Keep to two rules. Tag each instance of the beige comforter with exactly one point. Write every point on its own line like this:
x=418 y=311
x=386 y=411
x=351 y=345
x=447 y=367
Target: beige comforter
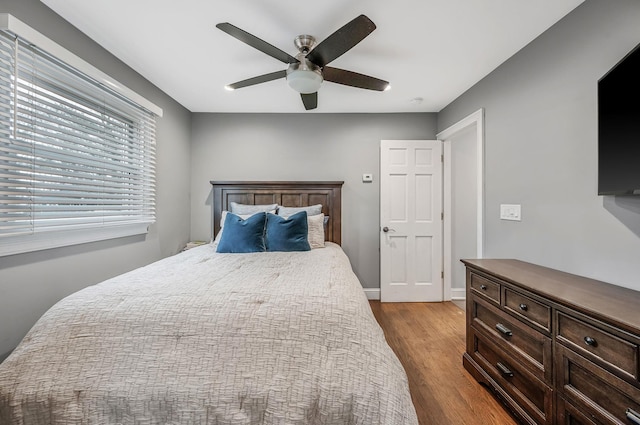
x=207 y=338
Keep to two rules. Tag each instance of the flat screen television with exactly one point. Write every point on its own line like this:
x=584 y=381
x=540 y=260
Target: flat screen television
x=619 y=128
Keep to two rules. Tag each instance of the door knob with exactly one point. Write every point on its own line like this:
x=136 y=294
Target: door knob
x=385 y=229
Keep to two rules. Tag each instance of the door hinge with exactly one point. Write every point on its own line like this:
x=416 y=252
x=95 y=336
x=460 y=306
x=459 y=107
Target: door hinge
x=442 y=215
x=442 y=274
x=442 y=158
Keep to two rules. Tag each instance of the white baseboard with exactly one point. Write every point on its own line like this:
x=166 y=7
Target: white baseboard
x=458 y=293
x=372 y=293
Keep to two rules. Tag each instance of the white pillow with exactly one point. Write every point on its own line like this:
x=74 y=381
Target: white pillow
x=316 y=230
x=311 y=210
x=240 y=209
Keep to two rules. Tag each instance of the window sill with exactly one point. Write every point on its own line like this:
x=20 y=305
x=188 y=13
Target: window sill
x=36 y=242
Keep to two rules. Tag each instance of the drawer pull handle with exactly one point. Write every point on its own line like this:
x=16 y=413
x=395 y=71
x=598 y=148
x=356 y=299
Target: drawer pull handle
x=506 y=371
x=483 y=287
x=524 y=307
x=504 y=330
x=633 y=416
x=590 y=341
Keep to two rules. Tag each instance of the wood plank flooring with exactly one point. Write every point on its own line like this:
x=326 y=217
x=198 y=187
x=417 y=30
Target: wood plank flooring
x=429 y=339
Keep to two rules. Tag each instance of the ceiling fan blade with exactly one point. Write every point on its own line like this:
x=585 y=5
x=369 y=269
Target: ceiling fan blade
x=256 y=43
x=350 y=78
x=257 y=80
x=310 y=100
x=341 y=41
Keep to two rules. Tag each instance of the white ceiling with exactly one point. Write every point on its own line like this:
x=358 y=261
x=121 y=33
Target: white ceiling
x=429 y=49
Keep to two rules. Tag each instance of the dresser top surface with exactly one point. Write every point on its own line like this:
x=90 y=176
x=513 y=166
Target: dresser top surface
x=616 y=303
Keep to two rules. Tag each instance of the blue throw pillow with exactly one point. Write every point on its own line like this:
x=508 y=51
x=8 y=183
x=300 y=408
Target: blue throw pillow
x=287 y=234
x=242 y=236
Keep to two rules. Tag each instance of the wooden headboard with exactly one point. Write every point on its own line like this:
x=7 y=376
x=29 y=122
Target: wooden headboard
x=288 y=194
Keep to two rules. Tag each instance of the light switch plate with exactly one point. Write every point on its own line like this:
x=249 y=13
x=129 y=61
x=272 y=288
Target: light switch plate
x=510 y=212
x=367 y=178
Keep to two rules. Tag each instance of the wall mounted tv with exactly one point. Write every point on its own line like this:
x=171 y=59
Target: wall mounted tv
x=619 y=128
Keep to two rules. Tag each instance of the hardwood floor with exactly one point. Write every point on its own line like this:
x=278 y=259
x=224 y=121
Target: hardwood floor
x=429 y=339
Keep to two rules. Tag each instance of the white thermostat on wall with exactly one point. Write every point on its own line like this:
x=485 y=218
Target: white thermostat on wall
x=367 y=178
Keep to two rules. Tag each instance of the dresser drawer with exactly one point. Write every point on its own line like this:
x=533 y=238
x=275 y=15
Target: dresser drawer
x=485 y=287
x=528 y=346
x=595 y=392
x=532 y=311
x=568 y=414
x=600 y=343
x=531 y=394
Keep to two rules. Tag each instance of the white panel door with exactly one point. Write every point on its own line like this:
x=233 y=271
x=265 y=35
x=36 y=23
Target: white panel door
x=411 y=220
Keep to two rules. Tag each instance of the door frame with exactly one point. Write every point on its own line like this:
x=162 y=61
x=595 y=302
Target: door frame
x=477 y=119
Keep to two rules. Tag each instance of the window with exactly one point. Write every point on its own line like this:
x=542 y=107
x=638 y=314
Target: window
x=77 y=159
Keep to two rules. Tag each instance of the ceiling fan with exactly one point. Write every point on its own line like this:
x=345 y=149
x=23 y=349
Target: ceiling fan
x=308 y=69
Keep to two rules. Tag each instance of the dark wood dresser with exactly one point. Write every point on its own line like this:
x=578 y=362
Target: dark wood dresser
x=555 y=347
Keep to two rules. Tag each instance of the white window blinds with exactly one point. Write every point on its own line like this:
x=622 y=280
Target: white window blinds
x=77 y=160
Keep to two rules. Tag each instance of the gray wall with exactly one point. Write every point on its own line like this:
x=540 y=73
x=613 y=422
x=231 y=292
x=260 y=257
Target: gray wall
x=31 y=283
x=303 y=147
x=541 y=148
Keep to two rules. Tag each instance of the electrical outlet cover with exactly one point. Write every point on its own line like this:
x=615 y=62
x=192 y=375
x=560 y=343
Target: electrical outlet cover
x=510 y=212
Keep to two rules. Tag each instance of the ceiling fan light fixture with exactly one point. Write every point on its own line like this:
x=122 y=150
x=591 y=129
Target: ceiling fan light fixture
x=304 y=81
x=304 y=77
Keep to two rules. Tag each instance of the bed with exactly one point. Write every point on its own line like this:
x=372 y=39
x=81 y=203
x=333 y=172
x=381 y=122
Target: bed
x=204 y=337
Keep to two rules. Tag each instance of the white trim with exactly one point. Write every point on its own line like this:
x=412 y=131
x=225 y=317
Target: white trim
x=477 y=119
x=10 y=23
x=40 y=241
x=372 y=293
x=447 y=230
x=458 y=294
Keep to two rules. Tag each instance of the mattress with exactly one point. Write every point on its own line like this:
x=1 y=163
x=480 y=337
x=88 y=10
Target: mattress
x=209 y=338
